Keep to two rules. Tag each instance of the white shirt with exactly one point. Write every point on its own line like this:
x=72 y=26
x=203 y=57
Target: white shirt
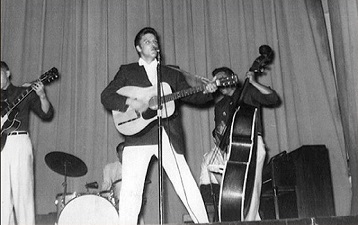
x=151 y=70
x=112 y=172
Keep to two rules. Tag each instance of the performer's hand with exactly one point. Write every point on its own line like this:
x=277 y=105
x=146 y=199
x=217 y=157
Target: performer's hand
x=210 y=85
x=262 y=88
x=216 y=168
x=219 y=132
x=39 y=88
x=251 y=76
x=137 y=105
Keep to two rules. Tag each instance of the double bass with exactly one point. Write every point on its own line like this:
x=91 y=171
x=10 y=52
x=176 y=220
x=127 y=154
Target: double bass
x=239 y=171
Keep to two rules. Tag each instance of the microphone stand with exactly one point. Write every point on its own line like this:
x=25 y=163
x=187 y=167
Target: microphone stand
x=159 y=117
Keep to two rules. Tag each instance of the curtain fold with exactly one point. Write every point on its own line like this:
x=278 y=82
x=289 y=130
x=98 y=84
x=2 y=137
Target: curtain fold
x=88 y=41
x=344 y=19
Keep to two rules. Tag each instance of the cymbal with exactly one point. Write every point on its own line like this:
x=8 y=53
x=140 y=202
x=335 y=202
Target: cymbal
x=66 y=164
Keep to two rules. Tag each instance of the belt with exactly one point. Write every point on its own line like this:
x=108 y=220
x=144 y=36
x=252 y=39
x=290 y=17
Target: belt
x=17 y=133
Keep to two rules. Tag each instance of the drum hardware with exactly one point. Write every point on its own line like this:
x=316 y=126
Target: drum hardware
x=109 y=195
x=115 y=182
x=92 y=185
x=61 y=200
x=67 y=165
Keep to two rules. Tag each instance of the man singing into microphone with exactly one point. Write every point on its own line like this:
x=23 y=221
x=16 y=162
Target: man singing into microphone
x=141 y=146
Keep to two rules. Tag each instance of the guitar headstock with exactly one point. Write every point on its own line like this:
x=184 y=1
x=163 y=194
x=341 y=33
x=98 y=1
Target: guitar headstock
x=227 y=81
x=50 y=75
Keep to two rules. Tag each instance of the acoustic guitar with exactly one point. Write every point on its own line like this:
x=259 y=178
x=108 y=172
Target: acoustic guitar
x=131 y=121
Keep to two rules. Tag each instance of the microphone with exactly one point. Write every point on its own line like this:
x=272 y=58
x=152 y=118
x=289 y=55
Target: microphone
x=158 y=55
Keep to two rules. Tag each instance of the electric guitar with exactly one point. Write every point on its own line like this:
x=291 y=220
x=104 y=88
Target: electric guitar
x=131 y=121
x=9 y=110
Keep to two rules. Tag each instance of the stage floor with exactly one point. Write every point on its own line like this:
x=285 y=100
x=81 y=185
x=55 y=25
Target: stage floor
x=50 y=219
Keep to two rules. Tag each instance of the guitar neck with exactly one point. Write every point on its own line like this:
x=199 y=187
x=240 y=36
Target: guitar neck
x=153 y=102
x=18 y=100
x=45 y=78
x=183 y=93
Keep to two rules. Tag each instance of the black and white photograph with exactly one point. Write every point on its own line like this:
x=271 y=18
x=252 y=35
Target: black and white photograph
x=126 y=112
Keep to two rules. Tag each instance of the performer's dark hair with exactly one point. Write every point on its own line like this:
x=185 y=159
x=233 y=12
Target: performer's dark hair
x=143 y=32
x=224 y=69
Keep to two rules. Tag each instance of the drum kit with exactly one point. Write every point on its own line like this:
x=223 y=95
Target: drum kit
x=81 y=208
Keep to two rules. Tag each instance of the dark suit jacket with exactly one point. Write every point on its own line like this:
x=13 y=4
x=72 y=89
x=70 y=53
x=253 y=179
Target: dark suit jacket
x=135 y=75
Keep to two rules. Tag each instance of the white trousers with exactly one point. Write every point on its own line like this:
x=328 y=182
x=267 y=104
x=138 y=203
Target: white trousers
x=253 y=213
x=17 y=181
x=134 y=169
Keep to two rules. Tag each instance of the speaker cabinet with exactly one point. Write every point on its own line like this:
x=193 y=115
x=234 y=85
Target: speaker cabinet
x=298 y=184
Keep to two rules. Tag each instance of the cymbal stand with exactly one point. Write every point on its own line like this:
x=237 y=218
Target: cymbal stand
x=64 y=184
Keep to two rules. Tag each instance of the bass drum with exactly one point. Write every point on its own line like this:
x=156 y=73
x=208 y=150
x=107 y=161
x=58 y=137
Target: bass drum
x=89 y=210
x=109 y=195
x=61 y=202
